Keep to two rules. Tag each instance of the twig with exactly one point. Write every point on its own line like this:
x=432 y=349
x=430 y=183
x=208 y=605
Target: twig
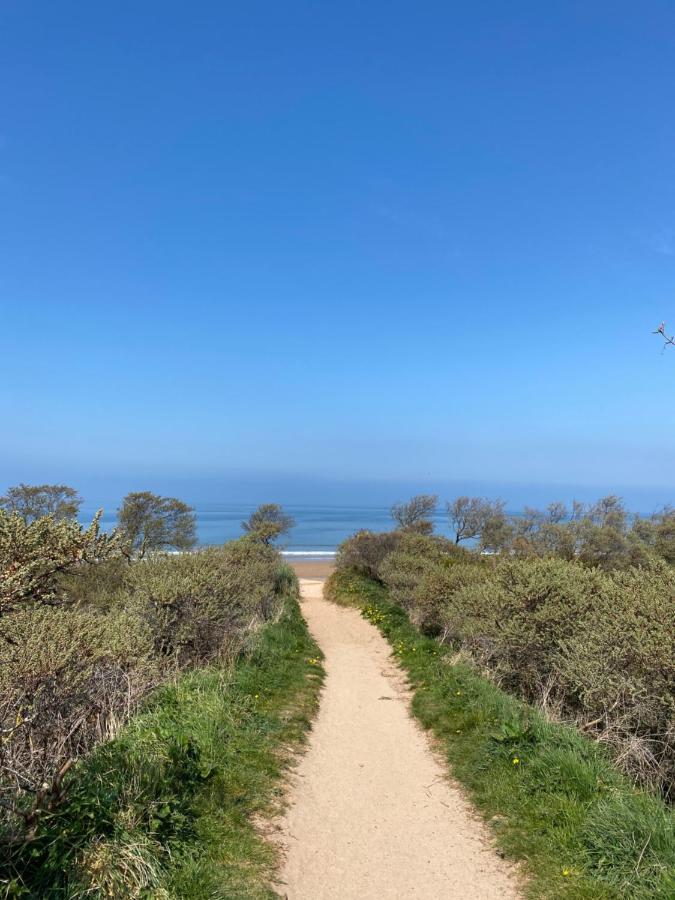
x=669 y=339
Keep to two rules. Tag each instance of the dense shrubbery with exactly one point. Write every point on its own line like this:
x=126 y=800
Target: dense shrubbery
x=84 y=635
x=590 y=637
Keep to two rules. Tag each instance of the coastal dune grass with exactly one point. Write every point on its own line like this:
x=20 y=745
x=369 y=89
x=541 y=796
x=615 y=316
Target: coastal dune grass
x=553 y=798
x=168 y=808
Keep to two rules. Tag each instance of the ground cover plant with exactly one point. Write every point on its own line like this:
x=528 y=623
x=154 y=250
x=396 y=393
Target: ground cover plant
x=553 y=797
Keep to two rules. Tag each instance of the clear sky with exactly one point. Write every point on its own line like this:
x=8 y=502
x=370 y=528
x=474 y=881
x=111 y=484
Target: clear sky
x=338 y=244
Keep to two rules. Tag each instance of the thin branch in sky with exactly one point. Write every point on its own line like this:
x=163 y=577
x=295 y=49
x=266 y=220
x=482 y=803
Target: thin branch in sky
x=668 y=339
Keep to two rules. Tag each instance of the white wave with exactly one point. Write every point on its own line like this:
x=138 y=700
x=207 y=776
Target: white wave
x=330 y=553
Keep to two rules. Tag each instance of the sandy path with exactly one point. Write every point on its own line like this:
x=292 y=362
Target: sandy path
x=371 y=813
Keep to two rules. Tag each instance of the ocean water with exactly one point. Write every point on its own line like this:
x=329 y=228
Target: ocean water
x=317 y=532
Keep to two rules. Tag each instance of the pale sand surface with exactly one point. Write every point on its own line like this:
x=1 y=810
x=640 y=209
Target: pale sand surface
x=371 y=812
x=312 y=568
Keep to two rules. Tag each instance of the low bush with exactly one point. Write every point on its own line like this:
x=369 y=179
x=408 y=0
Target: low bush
x=366 y=550
x=201 y=605
x=416 y=557
x=68 y=679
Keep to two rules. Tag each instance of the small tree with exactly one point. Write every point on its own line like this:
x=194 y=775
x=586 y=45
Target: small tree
x=149 y=522
x=31 y=501
x=470 y=516
x=267 y=523
x=415 y=514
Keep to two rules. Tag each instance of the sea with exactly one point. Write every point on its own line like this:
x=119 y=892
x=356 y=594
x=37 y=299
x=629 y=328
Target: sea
x=317 y=533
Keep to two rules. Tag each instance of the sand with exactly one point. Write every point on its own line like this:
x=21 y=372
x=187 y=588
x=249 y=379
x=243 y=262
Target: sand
x=312 y=568
x=372 y=813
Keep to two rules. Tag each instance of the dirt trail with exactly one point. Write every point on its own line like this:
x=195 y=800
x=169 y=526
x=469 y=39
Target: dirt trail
x=371 y=812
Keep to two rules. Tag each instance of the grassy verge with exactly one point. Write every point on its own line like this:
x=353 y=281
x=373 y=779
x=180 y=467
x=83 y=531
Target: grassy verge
x=166 y=810
x=552 y=796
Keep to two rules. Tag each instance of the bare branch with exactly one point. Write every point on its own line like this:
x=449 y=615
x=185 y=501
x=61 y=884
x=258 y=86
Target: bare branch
x=669 y=339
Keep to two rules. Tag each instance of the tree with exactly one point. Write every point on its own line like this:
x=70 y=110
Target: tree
x=608 y=512
x=149 y=522
x=469 y=516
x=32 y=501
x=267 y=523
x=496 y=531
x=415 y=514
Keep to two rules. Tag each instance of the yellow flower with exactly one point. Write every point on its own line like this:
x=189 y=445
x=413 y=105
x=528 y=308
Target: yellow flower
x=566 y=872
x=516 y=761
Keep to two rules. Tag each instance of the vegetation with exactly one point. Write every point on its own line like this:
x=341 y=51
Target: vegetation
x=31 y=501
x=35 y=555
x=575 y=614
x=95 y=798
x=148 y=522
x=267 y=523
x=166 y=809
x=553 y=798
x=415 y=515
x=474 y=517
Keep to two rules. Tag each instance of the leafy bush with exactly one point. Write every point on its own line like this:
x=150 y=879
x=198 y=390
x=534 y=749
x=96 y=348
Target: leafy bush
x=618 y=670
x=522 y=615
x=68 y=678
x=35 y=555
x=366 y=550
x=200 y=605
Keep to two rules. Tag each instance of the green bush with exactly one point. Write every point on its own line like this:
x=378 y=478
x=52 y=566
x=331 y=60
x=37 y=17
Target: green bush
x=618 y=669
x=68 y=679
x=365 y=551
x=522 y=615
x=167 y=810
x=201 y=605
x=35 y=555
x=416 y=558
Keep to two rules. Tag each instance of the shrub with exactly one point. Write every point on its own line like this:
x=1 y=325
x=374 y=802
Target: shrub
x=618 y=669
x=68 y=678
x=416 y=558
x=597 y=646
x=35 y=555
x=366 y=550
x=200 y=605
x=525 y=613
x=437 y=587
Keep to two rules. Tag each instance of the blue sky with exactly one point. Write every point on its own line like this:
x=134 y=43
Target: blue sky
x=329 y=246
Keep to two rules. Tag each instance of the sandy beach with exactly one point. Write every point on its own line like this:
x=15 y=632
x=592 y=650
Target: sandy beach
x=320 y=568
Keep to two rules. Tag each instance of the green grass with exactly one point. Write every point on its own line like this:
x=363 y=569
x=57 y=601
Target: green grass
x=552 y=797
x=168 y=808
